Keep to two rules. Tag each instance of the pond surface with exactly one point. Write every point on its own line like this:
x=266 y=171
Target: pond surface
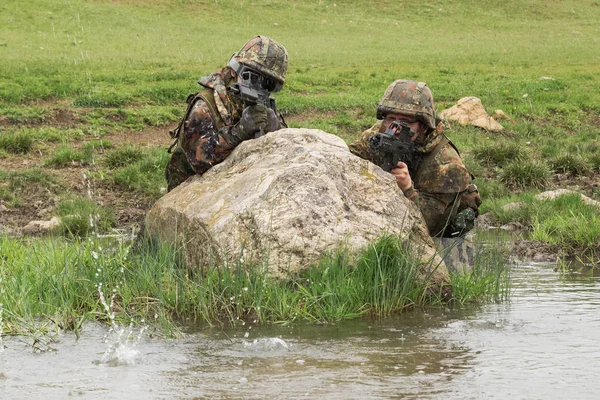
x=541 y=345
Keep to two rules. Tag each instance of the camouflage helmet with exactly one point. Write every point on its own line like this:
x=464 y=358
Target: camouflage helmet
x=410 y=98
x=264 y=55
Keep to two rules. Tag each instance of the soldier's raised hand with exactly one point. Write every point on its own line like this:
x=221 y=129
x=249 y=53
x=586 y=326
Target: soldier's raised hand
x=257 y=119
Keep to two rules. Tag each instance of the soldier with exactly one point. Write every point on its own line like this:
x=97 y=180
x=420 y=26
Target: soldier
x=434 y=177
x=217 y=119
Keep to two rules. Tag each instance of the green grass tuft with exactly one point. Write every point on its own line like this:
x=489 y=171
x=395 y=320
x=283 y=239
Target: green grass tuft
x=123 y=156
x=489 y=278
x=594 y=161
x=574 y=165
x=81 y=216
x=146 y=175
x=500 y=154
x=66 y=155
x=565 y=221
x=526 y=174
x=16 y=143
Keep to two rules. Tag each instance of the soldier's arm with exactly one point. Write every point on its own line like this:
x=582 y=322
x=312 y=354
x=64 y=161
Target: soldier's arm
x=438 y=209
x=360 y=148
x=205 y=145
x=438 y=190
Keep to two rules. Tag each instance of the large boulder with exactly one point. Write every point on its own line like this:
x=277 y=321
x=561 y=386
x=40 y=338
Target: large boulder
x=284 y=199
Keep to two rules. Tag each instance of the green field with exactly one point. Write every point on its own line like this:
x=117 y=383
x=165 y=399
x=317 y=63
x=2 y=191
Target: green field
x=149 y=53
x=113 y=67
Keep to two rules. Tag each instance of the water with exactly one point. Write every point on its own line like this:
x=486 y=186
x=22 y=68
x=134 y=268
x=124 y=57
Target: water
x=541 y=345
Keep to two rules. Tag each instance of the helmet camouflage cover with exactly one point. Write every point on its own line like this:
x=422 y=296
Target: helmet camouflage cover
x=264 y=55
x=410 y=98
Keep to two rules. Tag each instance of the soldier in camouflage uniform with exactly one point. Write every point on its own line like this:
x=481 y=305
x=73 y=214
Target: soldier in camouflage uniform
x=216 y=120
x=439 y=183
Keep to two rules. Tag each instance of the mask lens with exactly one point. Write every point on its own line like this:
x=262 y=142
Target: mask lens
x=269 y=84
x=257 y=79
x=250 y=76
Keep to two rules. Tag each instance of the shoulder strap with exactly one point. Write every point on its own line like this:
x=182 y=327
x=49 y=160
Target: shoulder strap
x=204 y=95
x=445 y=140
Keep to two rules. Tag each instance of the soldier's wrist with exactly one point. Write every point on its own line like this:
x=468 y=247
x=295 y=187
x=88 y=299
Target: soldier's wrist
x=410 y=190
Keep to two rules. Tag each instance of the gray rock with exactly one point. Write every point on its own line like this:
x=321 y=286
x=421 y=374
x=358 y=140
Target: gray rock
x=283 y=200
x=513 y=206
x=40 y=227
x=458 y=253
x=553 y=194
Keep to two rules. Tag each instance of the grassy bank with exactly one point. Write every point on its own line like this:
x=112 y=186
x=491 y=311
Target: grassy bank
x=127 y=64
x=58 y=284
x=566 y=221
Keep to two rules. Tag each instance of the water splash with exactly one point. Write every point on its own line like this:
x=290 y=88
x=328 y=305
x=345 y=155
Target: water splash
x=122 y=345
x=266 y=344
x=121 y=342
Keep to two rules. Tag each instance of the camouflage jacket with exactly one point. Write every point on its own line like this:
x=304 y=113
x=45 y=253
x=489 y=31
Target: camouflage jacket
x=204 y=136
x=440 y=182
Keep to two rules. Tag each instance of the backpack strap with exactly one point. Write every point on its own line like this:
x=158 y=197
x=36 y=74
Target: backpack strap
x=191 y=100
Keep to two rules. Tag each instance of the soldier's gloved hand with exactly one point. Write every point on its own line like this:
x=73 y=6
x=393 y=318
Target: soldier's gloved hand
x=257 y=120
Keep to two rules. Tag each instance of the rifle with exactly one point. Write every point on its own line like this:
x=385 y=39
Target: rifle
x=252 y=90
x=393 y=145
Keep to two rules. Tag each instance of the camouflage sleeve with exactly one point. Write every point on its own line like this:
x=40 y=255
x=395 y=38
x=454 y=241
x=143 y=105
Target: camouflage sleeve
x=439 y=186
x=438 y=209
x=205 y=145
x=360 y=148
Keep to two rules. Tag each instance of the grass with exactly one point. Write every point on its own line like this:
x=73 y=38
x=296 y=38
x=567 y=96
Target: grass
x=18 y=187
x=123 y=156
x=81 y=216
x=24 y=115
x=594 y=161
x=146 y=175
x=16 y=143
x=526 y=174
x=488 y=280
x=66 y=155
x=574 y=165
x=85 y=58
x=500 y=154
x=61 y=279
x=565 y=221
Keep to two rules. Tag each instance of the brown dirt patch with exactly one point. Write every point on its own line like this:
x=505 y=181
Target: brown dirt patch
x=527 y=250
x=39 y=203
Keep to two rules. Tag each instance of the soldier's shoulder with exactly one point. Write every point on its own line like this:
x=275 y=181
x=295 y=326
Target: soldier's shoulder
x=200 y=109
x=448 y=154
x=445 y=173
